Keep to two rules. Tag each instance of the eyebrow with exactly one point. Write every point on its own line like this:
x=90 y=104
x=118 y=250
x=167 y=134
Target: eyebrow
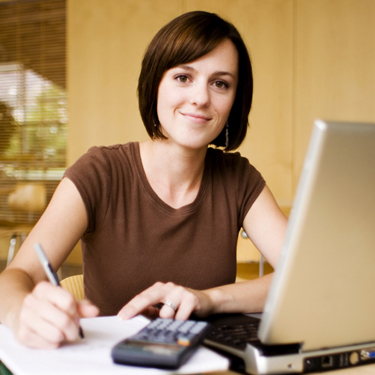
x=218 y=73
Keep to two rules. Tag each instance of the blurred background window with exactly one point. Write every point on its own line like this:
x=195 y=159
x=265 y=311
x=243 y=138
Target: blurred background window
x=33 y=99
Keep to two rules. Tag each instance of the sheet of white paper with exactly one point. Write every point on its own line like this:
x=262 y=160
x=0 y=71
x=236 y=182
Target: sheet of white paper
x=93 y=355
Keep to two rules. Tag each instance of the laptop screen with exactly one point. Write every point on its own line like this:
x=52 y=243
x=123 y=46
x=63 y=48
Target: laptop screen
x=322 y=294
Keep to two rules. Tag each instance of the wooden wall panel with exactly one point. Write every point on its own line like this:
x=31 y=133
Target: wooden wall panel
x=334 y=66
x=106 y=43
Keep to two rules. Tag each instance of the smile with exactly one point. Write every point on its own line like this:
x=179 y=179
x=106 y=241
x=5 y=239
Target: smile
x=196 y=117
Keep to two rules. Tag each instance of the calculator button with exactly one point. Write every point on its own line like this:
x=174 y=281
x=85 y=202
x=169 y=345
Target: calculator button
x=183 y=340
x=163 y=323
x=198 y=327
x=174 y=326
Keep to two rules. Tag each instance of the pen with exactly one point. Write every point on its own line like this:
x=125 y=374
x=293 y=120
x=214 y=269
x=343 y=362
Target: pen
x=50 y=273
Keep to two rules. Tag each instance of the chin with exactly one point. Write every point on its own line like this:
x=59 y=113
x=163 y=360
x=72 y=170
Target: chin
x=192 y=141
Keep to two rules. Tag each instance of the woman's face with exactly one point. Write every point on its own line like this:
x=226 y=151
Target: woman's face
x=195 y=99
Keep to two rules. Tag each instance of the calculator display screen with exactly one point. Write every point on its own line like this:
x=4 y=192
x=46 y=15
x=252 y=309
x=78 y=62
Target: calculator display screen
x=158 y=349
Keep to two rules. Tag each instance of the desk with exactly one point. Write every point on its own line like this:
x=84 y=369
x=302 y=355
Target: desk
x=93 y=355
x=361 y=370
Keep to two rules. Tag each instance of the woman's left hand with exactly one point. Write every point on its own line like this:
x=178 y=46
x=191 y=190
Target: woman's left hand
x=176 y=302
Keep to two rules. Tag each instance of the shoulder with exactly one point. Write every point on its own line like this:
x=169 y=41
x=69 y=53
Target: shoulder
x=103 y=164
x=112 y=152
x=230 y=162
x=236 y=173
x=103 y=156
x=98 y=174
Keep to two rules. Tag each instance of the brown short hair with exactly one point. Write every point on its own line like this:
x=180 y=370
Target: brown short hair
x=185 y=39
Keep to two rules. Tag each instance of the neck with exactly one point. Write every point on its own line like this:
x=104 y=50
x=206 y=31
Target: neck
x=174 y=173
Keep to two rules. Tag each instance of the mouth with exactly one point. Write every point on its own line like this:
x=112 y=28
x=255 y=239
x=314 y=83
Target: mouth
x=195 y=117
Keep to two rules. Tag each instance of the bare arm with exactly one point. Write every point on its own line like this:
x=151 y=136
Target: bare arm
x=265 y=224
x=58 y=230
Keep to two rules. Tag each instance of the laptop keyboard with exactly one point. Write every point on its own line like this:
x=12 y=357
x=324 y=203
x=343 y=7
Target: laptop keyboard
x=236 y=331
x=235 y=335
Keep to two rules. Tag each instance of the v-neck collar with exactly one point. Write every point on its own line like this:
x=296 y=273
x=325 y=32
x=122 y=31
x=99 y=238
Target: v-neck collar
x=157 y=200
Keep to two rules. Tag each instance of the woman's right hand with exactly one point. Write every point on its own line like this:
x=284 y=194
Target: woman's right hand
x=50 y=315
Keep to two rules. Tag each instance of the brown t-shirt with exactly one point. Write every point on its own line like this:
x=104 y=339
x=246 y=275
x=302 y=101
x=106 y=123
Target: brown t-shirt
x=134 y=239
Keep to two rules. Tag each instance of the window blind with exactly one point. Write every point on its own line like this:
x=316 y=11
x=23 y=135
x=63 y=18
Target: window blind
x=33 y=100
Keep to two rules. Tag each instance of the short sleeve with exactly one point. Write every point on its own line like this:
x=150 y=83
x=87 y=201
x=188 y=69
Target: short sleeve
x=251 y=185
x=241 y=181
x=245 y=181
x=91 y=174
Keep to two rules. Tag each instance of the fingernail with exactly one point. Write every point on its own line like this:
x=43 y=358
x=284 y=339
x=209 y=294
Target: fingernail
x=122 y=316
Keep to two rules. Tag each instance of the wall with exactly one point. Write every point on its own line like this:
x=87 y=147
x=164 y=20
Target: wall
x=311 y=59
x=334 y=70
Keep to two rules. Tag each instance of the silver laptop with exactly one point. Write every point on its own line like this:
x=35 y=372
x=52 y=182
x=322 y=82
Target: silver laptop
x=320 y=311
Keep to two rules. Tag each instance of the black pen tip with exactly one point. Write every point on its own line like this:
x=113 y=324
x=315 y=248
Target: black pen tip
x=81 y=334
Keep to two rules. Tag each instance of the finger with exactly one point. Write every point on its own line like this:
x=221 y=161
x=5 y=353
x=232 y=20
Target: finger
x=56 y=307
x=171 y=305
x=87 y=310
x=49 y=321
x=36 y=332
x=34 y=340
x=167 y=312
x=57 y=296
x=173 y=302
x=137 y=305
x=65 y=302
x=144 y=300
x=189 y=303
x=180 y=304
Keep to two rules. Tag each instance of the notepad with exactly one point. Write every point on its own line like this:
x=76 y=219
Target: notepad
x=93 y=355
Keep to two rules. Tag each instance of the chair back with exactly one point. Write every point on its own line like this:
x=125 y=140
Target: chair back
x=30 y=197
x=75 y=286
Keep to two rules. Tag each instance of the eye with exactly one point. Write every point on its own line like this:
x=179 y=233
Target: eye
x=221 y=84
x=183 y=78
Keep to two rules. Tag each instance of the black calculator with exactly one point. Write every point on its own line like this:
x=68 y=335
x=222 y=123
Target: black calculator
x=163 y=343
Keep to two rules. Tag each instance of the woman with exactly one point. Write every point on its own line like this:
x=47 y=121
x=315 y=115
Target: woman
x=158 y=220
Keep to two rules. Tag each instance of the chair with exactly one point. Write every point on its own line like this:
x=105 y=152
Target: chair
x=75 y=286
x=31 y=197
x=23 y=202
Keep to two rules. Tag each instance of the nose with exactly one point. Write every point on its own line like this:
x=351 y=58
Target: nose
x=200 y=95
